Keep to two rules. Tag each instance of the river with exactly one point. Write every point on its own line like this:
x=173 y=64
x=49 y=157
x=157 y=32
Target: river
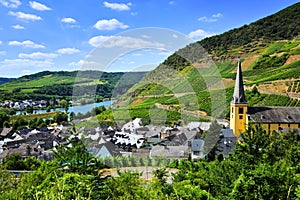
x=76 y=109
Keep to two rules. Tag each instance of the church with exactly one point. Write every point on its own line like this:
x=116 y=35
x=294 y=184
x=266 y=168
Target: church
x=270 y=118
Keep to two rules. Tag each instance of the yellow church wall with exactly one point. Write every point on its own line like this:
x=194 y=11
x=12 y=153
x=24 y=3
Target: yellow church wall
x=273 y=127
x=238 y=119
x=265 y=127
x=284 y=125
x=269 y=128
x=294 y=125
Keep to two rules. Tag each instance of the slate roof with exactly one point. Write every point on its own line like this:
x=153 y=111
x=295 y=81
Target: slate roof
x=226 y=143
x=239 y=94
x=24 y=150
x=179 y=139
x=169 y=151
x=197 y=145
x=202 y=125
x=5 y=132
x=227 y=133
x=109 y=146
x=154 y=140
x=289 y=115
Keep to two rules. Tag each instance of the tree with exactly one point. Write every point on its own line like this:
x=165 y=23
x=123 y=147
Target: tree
x=19 y=123
x=6 y=124
x=255 y=91
x=29 y=109
x=254 y=146
x=48 y=109
x=8 y=183
x=74 y=157
x=60 y=117
x=268 y=165
x=127 y=185
x=14 y=162
x=72 y=116
x=33 y=123
x=99 y=110
x=64 y=104
x=3 y=117
x=64 y=187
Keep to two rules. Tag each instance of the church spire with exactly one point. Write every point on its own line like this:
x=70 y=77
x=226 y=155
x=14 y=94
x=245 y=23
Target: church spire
x=239 y=94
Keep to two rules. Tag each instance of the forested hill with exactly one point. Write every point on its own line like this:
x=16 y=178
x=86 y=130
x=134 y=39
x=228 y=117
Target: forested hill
x=62 y=84
x=282 y=25
x=5 y=80
x=269 y=50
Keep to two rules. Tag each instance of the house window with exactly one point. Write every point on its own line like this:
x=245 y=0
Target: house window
x=241 y=110
x=241 y=116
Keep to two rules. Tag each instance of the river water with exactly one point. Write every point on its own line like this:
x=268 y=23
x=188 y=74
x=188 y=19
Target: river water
x=76 y=109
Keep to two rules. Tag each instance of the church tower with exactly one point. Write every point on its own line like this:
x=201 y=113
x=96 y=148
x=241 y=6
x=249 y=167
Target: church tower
x=238 y=106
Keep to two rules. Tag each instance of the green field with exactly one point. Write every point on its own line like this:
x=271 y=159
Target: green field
x=177 y=92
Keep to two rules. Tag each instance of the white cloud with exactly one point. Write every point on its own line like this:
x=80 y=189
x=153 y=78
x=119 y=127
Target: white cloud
x=38 y=6
x=0 y=42
x=213 y=18
x=83 y=62
x=110 y=24
x=97 y=40
x=117 y=6
x=26 y=44
x=133 y=13
x=11 y=3
x=217 y=15
x=2 y=53
x=25 y=16
x=123 y=41
x=19 y=63
x=171 y=2
x=38 y=55
x=200 y=34
x=68 y=51
x=17 y=26
x=68 y=20
x=206 y=19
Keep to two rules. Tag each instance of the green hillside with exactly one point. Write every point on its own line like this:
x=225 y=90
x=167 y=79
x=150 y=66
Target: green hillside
x=5 y=80
x=66 y=85
x=283 y=25
x=196 y=78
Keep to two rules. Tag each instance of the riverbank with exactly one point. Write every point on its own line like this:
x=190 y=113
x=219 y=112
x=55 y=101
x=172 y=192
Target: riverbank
x=75 y=109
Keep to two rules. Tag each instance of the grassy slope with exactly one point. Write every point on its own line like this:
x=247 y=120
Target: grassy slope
x=60 y=84
x=5 y=80
x=179 y=89
x=31 y=83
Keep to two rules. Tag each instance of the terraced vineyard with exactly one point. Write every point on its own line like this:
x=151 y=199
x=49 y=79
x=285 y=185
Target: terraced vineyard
x=272 y=69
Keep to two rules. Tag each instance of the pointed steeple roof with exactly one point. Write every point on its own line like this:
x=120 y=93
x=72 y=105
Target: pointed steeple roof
x=239 y=94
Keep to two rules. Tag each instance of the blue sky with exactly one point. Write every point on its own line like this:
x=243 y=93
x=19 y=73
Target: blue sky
x=66 y=34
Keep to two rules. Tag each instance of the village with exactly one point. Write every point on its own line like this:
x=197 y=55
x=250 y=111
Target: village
x=132 y=139
x=194 y=141
x=29 y=103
